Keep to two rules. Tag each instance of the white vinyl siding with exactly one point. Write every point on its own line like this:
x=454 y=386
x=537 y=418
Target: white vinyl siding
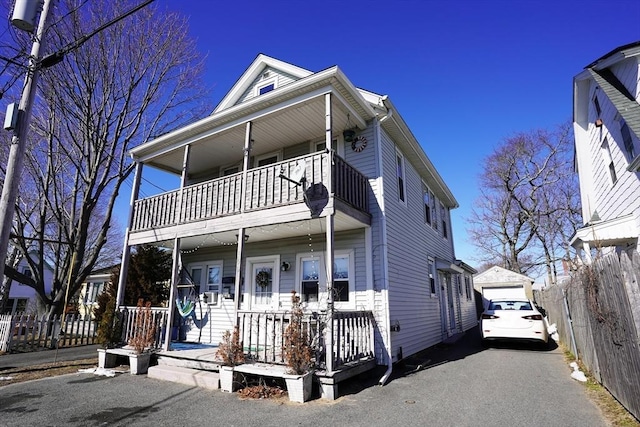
x=409 y=245
x=597 y=192
x=277 y=77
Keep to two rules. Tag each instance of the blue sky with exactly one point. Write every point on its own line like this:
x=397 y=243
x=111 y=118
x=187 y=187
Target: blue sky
x=463 y=74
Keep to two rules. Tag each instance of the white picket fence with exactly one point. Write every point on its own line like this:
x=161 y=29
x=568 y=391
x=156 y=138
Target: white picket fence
x=23 y=332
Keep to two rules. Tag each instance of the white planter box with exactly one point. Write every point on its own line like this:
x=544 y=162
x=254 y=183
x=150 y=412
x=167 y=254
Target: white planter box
x=299 y=387
x=106 y=360
x=139 y=363
x=228 y=381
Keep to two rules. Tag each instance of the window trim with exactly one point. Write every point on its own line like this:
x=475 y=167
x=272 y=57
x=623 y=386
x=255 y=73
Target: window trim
x=426 y=204
x=257 y=159
x=401 y=177
x=431 y=274
x=203 y=287
x=444 y=221
x=264 y=83
x=322 y=278
x=337 y=139
x=608 y=160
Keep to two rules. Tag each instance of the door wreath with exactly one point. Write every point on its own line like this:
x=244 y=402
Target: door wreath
x=262 y=278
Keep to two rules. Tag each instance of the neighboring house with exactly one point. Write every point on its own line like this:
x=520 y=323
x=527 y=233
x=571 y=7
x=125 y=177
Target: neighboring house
x=607 y=130
x=22 y=298
x=265 y=209
x=498 y=282
x=93 y=286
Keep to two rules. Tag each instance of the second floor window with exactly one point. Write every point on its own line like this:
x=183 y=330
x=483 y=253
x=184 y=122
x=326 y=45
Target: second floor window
x=627 y=140
x=608 y=160
x=427 y=204
x=400 y=176
x=443 y=218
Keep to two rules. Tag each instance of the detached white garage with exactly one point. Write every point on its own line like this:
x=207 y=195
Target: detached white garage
x=498 y=282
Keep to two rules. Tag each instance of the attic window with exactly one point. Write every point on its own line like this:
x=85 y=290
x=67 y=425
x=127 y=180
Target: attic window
x=266 y=86
x=265 y=89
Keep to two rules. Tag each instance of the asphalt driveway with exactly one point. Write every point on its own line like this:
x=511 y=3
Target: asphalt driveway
x=459 y=385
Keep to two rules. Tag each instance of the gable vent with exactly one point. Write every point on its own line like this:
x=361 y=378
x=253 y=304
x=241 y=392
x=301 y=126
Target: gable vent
x=266 y=75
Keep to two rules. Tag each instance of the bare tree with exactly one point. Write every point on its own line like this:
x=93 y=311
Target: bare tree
x=529 y=204
x=128 y=83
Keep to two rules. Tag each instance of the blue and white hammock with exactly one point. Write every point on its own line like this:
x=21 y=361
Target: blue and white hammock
x=186 y=307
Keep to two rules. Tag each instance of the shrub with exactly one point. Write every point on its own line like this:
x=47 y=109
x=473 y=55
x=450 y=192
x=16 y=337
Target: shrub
x=144 y=329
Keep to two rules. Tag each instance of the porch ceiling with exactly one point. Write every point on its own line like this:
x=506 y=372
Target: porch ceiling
x=304 y=121
x=315 y=226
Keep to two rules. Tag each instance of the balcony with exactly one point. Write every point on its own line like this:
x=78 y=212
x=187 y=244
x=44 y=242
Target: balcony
x=265 y=189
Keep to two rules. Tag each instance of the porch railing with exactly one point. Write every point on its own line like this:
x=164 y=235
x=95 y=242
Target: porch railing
x=262 y=335
x=265 y=189
x=130 y=315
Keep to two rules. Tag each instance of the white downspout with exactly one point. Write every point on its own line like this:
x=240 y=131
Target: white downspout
x=385 y=280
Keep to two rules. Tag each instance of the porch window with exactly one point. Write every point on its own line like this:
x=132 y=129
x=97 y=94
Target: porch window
x=401 y=177
x=208 y=280
x=320 y=146
x=309 y=282
x=341 y=275
x=267 y=159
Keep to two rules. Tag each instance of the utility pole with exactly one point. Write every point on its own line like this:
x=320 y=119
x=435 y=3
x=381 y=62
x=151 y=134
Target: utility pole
x=19 y=140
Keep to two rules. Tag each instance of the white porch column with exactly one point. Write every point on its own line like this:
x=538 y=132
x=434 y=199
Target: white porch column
x=329 y=234
x=177 y=262
x=175 y=276
x=126 y=249
x=243 y=191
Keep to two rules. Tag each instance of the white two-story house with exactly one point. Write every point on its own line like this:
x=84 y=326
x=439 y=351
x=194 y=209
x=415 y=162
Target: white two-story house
x=300 y=181
x=607 y=151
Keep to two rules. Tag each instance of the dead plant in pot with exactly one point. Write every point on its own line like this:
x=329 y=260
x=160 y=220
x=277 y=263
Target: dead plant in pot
x=298 y=354
x=231 y=353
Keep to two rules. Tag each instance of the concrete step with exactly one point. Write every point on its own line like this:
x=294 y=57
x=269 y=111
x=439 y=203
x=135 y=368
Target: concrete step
x=187 y=376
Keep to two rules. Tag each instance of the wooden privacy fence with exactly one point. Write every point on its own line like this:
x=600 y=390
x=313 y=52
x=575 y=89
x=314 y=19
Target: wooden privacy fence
x=262 y=335
x=597 y=313
x=28 y=332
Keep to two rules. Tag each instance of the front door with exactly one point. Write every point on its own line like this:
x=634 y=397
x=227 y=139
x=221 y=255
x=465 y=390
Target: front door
x=263 y=278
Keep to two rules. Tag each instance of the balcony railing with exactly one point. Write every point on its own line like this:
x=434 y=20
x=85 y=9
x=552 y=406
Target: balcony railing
x=264 y=189
x=262 y=335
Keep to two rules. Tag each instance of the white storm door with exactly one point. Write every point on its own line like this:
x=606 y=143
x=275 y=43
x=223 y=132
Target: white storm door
x=263 y=274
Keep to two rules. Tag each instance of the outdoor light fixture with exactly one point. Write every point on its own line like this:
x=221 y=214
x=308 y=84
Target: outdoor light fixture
x=285 y=266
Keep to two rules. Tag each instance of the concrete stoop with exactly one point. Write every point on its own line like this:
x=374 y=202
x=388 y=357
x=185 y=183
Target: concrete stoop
x=186 y=376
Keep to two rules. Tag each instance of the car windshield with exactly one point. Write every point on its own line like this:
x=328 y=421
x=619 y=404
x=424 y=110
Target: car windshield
x=510 y=305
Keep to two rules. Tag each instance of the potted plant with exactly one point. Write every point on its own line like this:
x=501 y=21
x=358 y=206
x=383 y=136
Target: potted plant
x=298 y=355
x=142 y=338
x=109 y=335
x=231 y=353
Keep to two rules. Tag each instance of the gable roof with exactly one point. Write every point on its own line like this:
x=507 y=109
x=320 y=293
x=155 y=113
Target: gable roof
x=251 y=74
x=303 y=87
x=497 y=274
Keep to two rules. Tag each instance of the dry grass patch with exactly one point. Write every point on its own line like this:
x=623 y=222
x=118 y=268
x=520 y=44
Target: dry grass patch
x=613 y=412
x=35 y=372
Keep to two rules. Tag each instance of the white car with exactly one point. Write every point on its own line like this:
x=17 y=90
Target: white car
x=513 y=319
